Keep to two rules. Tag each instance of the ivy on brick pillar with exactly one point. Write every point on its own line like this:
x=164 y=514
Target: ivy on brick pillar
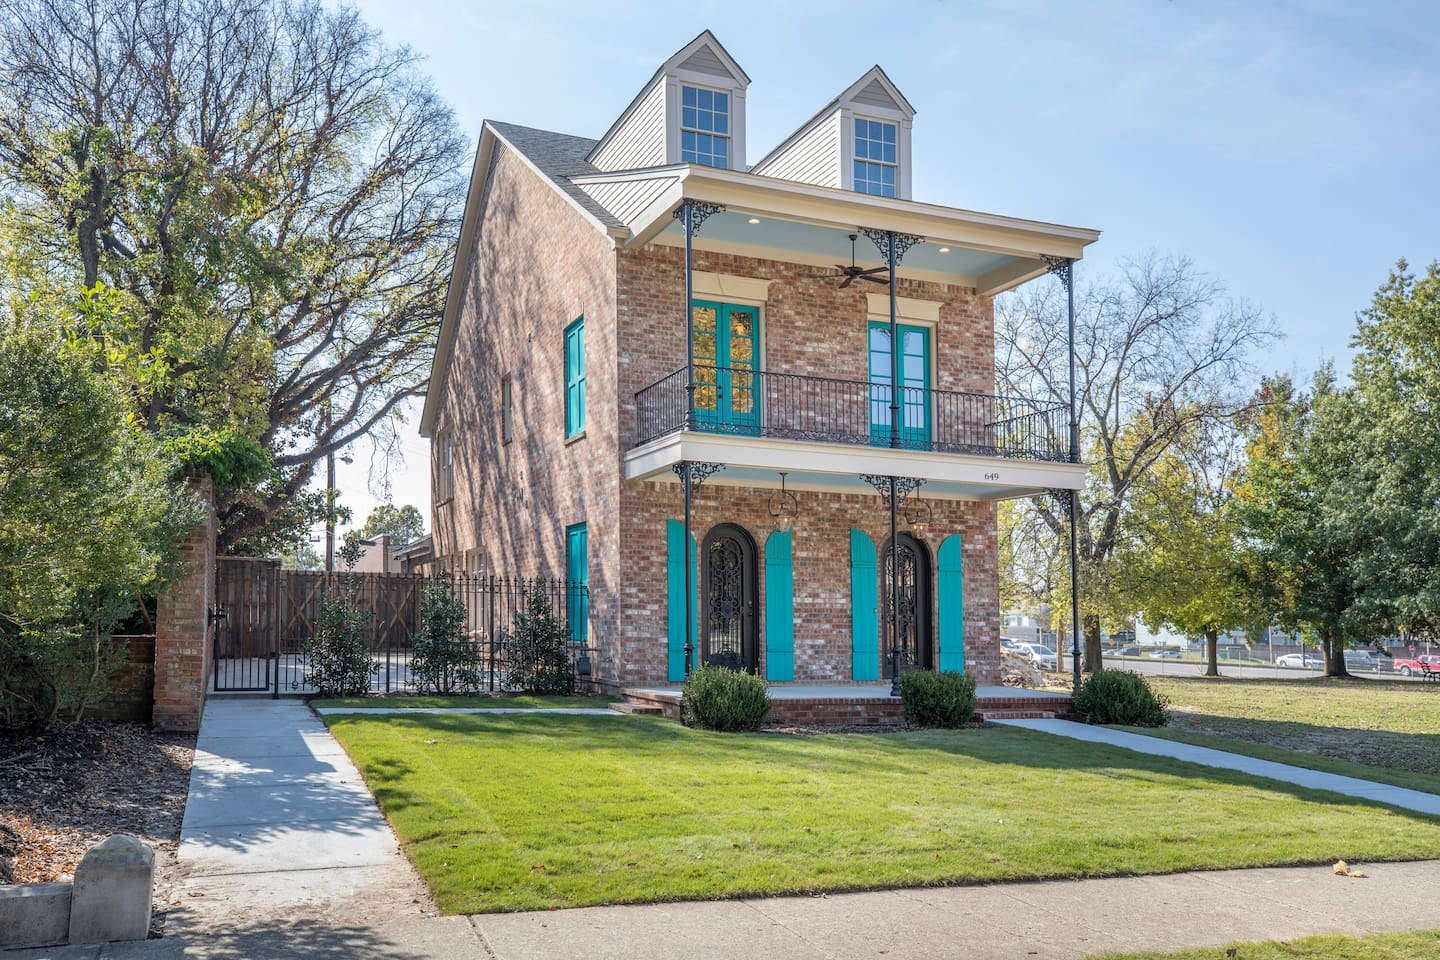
x=182 y=640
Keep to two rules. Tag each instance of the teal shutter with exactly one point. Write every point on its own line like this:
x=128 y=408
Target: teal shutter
x=950 y=585
x=675 y=598
x=864 y=618
x=575 y=377
x=577 y=571
x=779 y=609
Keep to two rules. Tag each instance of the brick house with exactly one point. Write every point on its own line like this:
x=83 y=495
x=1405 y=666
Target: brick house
x=584 y=425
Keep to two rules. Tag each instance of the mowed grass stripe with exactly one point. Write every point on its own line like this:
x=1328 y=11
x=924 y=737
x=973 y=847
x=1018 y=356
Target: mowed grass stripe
x=503 y=813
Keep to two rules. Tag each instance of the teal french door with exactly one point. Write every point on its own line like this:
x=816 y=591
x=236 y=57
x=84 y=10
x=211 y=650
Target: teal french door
x=914 y=385
x=727 y=389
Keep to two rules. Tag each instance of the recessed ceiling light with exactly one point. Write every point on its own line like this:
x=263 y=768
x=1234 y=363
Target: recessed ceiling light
x=754 y=220
x=944 y=249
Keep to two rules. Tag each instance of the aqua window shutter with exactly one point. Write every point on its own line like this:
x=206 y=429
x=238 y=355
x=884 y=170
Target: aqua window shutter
x=950 y=586
x=577 y=571
x=675 y=598
x=779 y=608
x=575 y=377
x=864 y=615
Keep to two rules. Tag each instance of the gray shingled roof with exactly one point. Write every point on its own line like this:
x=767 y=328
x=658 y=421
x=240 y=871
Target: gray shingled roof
x=560 y=157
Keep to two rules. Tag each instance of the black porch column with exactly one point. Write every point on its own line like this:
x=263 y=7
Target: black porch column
x=692 y=214
x=1064 y=268
x=692 y=475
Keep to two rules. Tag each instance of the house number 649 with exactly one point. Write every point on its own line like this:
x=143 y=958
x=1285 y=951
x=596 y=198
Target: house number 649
x=993 y=475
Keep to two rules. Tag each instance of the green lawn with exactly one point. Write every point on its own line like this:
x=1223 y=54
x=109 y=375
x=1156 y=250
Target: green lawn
x=513 y=813
x=512 y=701
x=1416 y=945
x=1393 y=724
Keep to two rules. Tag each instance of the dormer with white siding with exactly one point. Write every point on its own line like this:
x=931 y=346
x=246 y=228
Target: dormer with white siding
x=691 y=111
x=859 y=141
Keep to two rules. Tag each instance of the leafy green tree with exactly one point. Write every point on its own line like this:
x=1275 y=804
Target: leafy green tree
x=89 y=513
x=1396 y=378
x=1184 y=565
x=538 y=655
x=274 y=192
x=443 y=658
x=401 y=524
x=1161 y=352
x=1301 y=501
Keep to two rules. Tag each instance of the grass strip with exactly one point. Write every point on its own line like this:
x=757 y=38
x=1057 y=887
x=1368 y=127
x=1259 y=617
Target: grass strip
x=1414 y=945
x=511 y=701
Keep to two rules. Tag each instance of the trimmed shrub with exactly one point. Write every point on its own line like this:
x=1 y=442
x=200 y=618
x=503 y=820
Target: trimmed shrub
x=1121 y=697
x=443 y=659
x=718 y=698
x=538 y=647
x=337 y=658
x=944 y=699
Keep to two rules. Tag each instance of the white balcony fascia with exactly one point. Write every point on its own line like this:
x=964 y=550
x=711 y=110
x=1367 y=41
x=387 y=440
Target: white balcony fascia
x=837 y=468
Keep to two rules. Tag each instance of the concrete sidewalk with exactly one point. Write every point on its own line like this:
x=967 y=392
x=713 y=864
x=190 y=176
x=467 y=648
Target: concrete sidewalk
x=1284 y=772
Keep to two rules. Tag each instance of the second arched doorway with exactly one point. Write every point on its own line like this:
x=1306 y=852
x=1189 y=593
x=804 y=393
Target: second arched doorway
x=727 y=599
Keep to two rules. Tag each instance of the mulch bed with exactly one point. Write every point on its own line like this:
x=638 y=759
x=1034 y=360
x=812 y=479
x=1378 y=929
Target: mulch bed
x=63 y=791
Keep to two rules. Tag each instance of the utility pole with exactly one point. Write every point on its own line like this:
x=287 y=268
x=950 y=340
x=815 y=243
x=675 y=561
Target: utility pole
x=329 y=498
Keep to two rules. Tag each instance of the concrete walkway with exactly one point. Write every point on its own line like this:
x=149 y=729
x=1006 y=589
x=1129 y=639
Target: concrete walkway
x=1314 y=779
x=284 y=854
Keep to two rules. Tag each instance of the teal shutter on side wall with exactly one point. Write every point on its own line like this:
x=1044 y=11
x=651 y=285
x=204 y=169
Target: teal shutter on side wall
x=950 y=585
x=575 y=377
x=864 y=619
x=779 y=609
x=577 y=571
x=675 y=598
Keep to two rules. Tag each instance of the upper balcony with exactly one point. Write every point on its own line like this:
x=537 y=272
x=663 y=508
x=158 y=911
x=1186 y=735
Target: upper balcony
x=830 y=432
x=756 y=403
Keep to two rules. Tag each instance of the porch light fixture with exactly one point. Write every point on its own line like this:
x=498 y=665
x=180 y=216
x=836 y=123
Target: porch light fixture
x=944 y=249
x=753 y=220
x=917 y=513
x=784 y=508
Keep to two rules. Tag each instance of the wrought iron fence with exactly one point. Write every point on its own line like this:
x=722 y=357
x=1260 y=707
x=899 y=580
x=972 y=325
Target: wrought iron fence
x=853 y=412
x=264 y=615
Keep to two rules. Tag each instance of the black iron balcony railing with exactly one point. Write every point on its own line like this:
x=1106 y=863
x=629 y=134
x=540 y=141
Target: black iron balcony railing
x=765 y=404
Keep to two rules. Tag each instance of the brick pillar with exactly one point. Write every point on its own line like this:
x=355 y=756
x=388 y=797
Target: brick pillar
x=182 y=638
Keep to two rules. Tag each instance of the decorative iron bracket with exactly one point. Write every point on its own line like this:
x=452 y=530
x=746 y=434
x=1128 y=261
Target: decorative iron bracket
x=904 y=486
x=700 y=211
x=1062 y=267
x=1063 y=497
x=881 y=239
x=694 y=472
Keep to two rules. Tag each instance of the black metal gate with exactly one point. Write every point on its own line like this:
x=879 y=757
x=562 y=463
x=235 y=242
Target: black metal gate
x=263 y=617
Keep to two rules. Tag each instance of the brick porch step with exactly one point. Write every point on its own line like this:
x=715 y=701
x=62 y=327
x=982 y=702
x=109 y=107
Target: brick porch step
x=988 y=715
x=640 y=709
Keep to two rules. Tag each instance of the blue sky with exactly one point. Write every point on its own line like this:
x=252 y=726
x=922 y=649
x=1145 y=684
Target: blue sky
x=1292 y=150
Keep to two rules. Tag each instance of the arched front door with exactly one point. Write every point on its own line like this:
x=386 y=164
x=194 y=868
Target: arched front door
x=727 y=601
x=914 y=610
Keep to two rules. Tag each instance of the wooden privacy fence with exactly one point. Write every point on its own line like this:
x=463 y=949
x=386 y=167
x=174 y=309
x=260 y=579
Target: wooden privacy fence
x=263 y=616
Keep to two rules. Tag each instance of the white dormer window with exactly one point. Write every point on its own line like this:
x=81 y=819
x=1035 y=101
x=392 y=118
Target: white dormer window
x=704 y=126
x=876 y=157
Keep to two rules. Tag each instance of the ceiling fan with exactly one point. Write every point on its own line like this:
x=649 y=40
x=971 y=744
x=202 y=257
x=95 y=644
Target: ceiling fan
x=853 y=272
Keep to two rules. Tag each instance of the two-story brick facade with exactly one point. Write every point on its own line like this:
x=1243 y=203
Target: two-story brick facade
x=582 y=422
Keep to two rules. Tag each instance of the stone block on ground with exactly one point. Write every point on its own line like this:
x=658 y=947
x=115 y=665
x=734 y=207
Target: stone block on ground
x=112 y=895
x=34 y=914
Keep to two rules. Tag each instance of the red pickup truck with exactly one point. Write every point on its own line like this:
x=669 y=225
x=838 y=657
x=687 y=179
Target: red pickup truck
x=1418 y=665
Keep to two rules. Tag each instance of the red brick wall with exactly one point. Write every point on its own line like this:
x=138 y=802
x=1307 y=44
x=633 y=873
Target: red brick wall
x=182 y=641
x=536 y=266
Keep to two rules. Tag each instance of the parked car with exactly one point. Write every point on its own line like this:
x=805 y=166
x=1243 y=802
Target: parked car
x=1370 y=660
x=1408 y=667
x=1010 y=643
x=1130 y=651
x=1167 y=653
x=1309 y=661
x=1039 y=654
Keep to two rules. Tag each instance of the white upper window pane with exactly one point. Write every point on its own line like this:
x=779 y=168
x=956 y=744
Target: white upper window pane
x=704 y=126
x=876 y=157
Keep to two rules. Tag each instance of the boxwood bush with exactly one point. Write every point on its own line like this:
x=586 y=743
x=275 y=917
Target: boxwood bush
x=1119 y=696
x=718 y=698
x=945 y=699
